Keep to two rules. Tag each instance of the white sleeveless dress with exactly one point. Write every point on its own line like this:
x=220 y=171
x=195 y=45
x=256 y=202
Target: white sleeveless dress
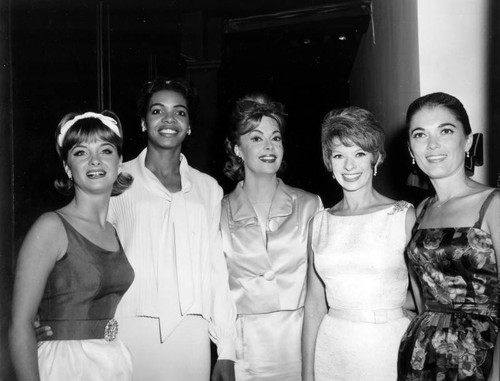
x=360 y=259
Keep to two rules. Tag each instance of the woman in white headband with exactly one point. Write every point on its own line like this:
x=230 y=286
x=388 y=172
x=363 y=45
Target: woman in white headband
x=71 y=268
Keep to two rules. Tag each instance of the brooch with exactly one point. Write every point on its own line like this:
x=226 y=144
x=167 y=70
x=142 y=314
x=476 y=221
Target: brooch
x=111 y=330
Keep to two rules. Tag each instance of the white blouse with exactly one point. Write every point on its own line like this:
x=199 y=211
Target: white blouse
x=173 y=242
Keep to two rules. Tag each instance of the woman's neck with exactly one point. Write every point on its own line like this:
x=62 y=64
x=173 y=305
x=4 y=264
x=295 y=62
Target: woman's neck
x=163 y=161
x=360 y=199
x=452 y=186
x=260 y=189
x=91 y=208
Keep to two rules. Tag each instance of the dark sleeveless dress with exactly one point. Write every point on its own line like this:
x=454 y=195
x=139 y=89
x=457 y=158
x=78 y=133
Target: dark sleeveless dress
x=454 y=338
x=79 y=303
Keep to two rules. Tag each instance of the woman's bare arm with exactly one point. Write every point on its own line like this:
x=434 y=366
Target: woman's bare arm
x=492 y=222
x=314 y=311
x=44 y=244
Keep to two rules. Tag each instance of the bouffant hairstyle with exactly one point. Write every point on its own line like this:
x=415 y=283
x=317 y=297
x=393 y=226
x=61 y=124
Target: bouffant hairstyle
x=246 y=116
x=439 y=99
x=352 y=126
x=84 y=130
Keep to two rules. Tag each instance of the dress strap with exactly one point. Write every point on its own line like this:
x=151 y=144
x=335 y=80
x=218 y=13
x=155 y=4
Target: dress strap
x=79 y=237
x=421 y=214
x=67 y=226
x=484 y=207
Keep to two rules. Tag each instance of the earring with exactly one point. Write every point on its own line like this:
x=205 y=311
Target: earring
x=413 y=161
x=375 y=170
x=467 y=154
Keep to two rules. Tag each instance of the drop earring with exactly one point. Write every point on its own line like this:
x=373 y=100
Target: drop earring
x=375 y=170
x=467 y=154
x=413 y=161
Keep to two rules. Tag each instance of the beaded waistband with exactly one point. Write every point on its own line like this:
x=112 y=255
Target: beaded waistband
x=82 y=329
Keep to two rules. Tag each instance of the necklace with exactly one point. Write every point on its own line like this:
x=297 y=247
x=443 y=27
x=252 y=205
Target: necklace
x=439 y=205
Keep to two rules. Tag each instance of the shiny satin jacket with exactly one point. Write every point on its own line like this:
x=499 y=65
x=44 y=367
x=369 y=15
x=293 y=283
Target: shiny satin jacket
x=267 y=276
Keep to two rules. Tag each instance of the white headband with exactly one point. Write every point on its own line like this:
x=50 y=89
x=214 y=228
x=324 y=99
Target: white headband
x=106 y=120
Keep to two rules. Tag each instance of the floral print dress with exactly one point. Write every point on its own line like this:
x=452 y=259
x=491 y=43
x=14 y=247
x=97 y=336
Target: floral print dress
x=454 y=339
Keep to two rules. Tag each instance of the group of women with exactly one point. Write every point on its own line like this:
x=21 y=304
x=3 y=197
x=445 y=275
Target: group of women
x=286 y=289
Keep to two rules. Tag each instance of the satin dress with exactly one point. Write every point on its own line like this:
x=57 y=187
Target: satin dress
x=267 y=278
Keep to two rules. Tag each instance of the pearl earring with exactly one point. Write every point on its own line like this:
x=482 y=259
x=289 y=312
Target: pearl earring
x=413 y=161
x=467 y=154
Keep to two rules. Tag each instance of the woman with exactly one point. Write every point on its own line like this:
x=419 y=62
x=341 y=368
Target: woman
x=264 y=236
x=169 y=225
x=72 y=268
x=454 y=252
x=356 y=257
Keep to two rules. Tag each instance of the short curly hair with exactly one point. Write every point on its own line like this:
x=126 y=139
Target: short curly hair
x=84 y=130
x=352 y=126
x=247 y=115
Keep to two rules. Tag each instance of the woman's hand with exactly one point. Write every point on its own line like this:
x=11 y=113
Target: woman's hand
x=41 y=332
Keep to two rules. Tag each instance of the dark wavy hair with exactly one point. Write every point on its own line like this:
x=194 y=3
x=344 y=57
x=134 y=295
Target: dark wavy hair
x=439 y=99
x=352 y=126
x=179 y=85
x=246 y=116
x=86 y=130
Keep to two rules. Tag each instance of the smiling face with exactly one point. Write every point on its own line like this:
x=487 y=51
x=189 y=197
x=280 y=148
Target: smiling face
x=94 y=165
x=438 y=142
x=262 y=148
x=167 y=119
x=351 y=166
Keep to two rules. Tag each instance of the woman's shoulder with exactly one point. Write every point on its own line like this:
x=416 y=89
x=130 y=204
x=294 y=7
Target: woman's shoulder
x=204 y=179
x=49 y=221
x=491 y=204
x=302 y=194
x=47 y=235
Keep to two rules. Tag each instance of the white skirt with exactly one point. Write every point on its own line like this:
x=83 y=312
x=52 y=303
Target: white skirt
x=184 y=356
x=348 y=350
x=84 y=360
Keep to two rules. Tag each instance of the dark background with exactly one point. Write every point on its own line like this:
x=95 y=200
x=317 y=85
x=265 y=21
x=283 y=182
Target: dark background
x=60 y=56
x=56 y=51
